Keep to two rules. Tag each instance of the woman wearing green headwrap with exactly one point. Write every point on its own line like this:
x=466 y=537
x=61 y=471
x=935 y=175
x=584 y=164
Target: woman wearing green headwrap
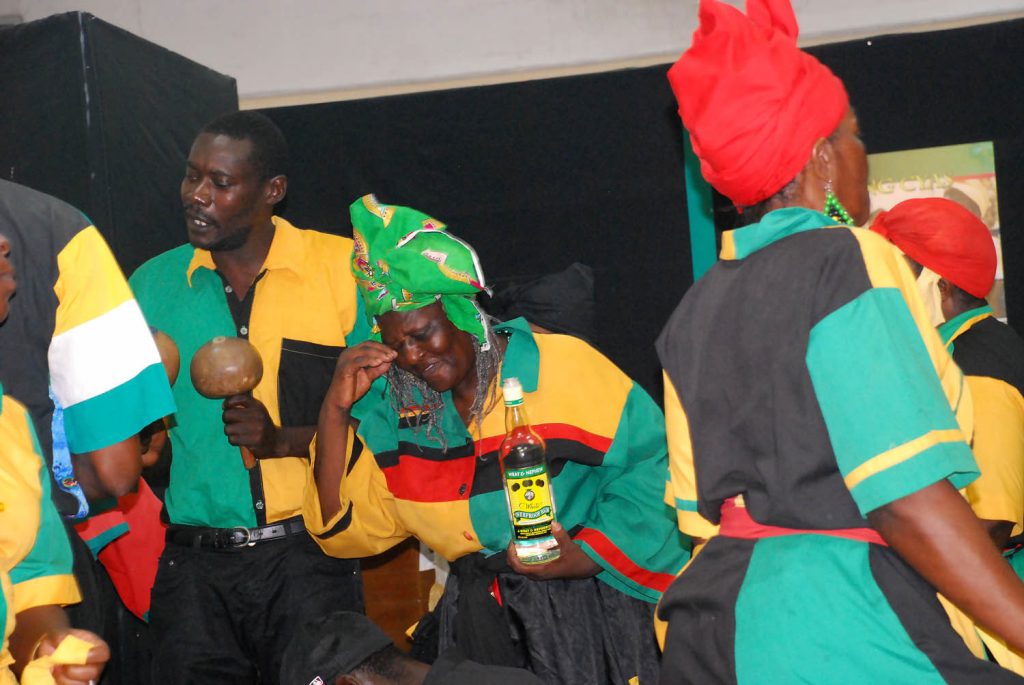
x=407 y=446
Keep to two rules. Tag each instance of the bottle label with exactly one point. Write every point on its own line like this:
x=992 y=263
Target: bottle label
x=529 y=496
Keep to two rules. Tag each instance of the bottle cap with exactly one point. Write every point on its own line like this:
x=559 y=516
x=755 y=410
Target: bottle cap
x=512 y=390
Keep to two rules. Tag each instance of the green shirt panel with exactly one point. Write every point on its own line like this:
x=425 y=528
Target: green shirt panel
x=775 y=226
x=805 y=595
x=51 y=553
x=878 y=393
x=209 y=486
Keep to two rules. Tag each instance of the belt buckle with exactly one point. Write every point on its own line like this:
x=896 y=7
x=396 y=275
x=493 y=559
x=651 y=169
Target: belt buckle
x=247 y=542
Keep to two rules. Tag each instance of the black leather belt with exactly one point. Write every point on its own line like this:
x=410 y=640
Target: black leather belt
x=232 y=538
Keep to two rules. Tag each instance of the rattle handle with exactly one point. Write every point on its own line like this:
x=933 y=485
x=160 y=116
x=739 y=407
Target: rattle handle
x=248 y=459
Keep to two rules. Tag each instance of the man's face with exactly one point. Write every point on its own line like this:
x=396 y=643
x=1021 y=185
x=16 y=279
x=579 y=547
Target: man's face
x=222 y=194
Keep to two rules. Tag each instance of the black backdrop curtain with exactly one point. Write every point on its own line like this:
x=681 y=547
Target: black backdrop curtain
x=103 y=119
x=534 y=175
x=589 y=168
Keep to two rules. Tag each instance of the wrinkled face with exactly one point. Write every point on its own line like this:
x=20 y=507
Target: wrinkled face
x=851 y=181
x=221 y=193
x=7 y=282
x=430 y=347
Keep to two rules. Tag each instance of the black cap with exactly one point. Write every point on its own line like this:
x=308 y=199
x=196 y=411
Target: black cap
x=329 y=647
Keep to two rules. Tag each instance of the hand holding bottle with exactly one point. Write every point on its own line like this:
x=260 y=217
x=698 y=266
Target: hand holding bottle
x=572 y=561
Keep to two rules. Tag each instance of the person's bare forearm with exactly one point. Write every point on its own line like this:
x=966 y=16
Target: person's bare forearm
x=247 y=423
x=30 y=626
x=357 y=368
x=292 y=441
x=331 y=457
x=153 y=439
x=998 y=531
x=110 y=471
x=935 y=531
x=39 y=631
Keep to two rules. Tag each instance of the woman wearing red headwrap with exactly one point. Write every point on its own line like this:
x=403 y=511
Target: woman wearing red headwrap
x=816 y=424
x=943 y=238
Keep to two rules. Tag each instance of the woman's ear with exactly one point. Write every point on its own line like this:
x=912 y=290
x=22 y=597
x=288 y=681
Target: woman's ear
x=947 y=299
x=815 y=175
x=822 y=163
x=945 y=289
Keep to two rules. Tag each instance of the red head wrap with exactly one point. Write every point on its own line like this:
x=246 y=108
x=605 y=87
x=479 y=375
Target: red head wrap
x=945 y=237
x=753 y=102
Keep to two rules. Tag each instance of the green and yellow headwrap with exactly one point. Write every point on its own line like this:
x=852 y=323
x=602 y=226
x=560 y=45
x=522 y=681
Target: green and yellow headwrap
x=404 y=259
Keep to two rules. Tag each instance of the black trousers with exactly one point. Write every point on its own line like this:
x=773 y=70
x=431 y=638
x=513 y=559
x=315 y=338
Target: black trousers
x=226 y=616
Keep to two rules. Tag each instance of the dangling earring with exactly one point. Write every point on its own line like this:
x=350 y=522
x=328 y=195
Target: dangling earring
x=834 y=208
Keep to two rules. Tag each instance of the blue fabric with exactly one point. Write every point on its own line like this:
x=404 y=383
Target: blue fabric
x=63 y=470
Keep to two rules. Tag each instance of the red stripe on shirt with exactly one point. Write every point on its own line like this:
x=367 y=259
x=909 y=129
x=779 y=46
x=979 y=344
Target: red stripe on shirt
x=736 y=522
x=607 y=550
x=425 y=480
x=554 y=431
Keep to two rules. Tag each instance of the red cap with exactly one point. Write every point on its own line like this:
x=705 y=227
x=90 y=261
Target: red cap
x=753 y=103
x=945 y=237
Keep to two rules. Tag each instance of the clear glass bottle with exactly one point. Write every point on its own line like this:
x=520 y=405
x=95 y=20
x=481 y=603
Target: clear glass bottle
x=524 y=471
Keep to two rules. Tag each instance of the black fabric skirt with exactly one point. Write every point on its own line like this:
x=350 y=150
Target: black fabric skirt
x=568 y=632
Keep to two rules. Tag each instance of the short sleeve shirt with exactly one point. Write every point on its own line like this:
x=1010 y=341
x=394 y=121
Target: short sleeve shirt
x=607 y=462
x=301 y=312
x=75 y=326
x=35 y=557
x=991 y=356
x=810 y=379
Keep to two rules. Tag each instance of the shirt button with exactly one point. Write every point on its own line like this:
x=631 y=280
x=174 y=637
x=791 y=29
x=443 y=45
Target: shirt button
x=259 y=504
x=462 y=489
x=466 y=534
x=244 y=330
x=228 y=289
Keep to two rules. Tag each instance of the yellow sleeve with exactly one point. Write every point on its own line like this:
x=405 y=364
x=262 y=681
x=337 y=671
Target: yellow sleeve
x=90 y=283
x=681 y=491
x=367 y=522
x=61 y=590
x=998 y=494
x=42 y=574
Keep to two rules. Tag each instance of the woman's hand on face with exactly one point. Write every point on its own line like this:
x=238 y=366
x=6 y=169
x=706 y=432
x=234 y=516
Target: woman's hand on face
x=357 y=368
x=572 y=561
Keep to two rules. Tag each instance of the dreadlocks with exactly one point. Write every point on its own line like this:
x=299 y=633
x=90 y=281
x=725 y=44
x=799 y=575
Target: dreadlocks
x=407 y=390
